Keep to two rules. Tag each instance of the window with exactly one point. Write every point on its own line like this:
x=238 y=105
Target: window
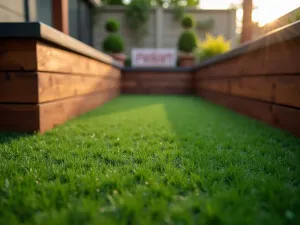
x=80 y=18
x=73 y=18
x=85 y=15
x=44 y=11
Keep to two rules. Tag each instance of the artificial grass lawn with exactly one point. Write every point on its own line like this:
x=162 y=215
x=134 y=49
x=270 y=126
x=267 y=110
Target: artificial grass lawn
x=152 y=160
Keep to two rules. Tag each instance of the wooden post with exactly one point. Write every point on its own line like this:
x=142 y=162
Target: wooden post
x=60 y=15
x=246 y=34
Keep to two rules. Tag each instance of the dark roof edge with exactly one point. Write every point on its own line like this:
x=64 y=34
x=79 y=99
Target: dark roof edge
x=279 y=35
x=45 y=33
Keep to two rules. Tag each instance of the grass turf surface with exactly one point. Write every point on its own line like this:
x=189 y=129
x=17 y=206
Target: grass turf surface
x=152 y=160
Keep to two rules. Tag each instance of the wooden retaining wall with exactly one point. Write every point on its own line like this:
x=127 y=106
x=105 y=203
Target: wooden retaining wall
x=156 y=81
x=260 y=80
x=47 y=78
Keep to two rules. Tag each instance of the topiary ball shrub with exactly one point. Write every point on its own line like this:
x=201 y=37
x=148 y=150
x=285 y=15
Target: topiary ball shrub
x=112 y=26
x=187 y=41
x=187 y=22
x=113 y=44
x=212 y=46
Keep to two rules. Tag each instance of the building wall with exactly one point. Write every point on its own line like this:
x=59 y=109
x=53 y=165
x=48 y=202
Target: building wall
x=163 y=30
x=12 y=11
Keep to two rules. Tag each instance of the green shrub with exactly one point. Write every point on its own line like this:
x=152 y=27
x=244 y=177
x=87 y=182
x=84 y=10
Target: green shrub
x=178 y=12
x=128 y=62
x=212 y=46
x=113 y=44
x=137 y=14
x=187 y=41
x=187 y=22
x=112 y=26
x=113 y=2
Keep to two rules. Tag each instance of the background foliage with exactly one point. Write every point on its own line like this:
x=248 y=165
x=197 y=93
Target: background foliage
x=137 y=15
x=212 y=46
x=165 y=3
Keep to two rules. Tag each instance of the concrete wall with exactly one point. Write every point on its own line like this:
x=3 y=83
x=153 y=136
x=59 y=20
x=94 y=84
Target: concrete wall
x=163 y=30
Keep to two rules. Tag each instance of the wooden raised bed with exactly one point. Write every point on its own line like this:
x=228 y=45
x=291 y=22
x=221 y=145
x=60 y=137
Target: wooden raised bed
x=260 y=79
x=156 y=81
x=47 y=77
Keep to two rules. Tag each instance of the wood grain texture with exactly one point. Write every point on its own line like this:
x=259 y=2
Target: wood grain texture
x=17 y=87
x=253 y=87
x=52 y=59
x=161 y=76
x=219 y=85
x=58 y=86
x=39 y=87
x=19 y=118
x=58 y=112
x=287 y=91
x=287 y=118
x=275 y=59
x=144 y=82
x=18 y=55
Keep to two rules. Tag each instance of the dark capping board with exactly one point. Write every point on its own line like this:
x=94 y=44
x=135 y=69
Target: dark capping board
x=279 y=35
x=40 y=31
x=156 y=69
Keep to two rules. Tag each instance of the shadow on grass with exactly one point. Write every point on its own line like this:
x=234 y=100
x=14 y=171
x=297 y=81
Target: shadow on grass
x=7 y=137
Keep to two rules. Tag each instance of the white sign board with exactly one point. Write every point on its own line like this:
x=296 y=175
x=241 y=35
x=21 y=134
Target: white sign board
x=151 y=57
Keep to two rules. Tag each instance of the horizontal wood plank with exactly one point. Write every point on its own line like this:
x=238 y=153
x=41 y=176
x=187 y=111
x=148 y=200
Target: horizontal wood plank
x=253 y=87
x=273 y=60
x=144 y=82
x=17 y=87
x=163 y=76
x=39 y=87
x=287 y=91
x=220 y=85
x=12 y=44
x=287 y=118
x=52 y=59
x=19 y=118
x=18 y=55
x=58 y=86
x=58 y=112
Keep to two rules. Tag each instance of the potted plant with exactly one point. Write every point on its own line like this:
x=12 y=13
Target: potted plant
x=113 y=44
x=187 y=42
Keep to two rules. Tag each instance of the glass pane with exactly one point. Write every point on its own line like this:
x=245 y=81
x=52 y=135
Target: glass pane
x=85 y=23
x=73 y=18
x=44 y=11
